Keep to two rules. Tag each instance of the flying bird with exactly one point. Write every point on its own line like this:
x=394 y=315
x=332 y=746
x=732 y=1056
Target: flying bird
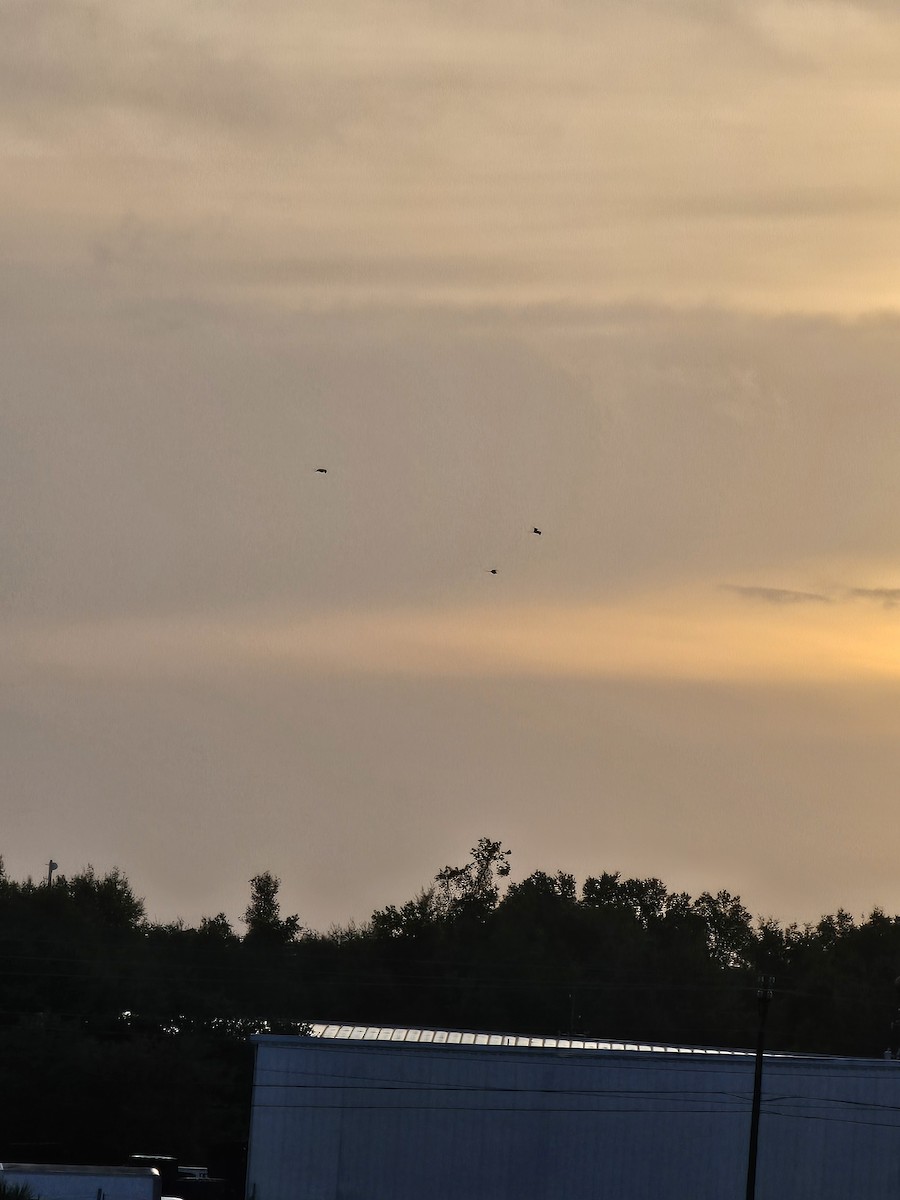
x=491 y=571
x=537 y=531
x=321 y=470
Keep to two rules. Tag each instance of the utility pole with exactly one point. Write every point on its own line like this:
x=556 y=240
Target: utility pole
x=51 y=867
x=894 y=1051
x=765 y=984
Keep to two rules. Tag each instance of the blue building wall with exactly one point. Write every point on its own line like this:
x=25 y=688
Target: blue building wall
x=367 y=1118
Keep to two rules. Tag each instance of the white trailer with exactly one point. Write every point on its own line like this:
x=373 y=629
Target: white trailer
x=398 y=1114
x=84 y=1183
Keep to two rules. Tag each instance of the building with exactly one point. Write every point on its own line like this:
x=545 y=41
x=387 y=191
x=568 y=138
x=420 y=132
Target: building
x=361 y=1113
x=50 y=1182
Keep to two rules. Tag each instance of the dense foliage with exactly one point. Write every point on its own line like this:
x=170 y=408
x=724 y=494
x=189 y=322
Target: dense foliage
x=119 y=1036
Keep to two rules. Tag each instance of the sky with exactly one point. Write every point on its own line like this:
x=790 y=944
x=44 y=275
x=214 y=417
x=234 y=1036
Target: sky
x=624 y=272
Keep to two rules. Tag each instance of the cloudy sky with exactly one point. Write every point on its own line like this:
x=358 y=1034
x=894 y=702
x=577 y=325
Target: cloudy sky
x=627 y=272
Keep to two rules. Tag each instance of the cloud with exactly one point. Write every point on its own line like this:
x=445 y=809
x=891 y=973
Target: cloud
x=63 y=58
x=140 y=243
x=776 y=596
x=889 y=597
x=759 y=203
x=664 y=633
x=595 y=152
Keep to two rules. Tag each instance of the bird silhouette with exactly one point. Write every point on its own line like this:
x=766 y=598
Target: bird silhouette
x=536 y=530
x=491 y=571
x=321 y=470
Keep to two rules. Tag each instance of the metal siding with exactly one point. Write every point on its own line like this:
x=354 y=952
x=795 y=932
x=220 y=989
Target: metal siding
x=51 y=1182
x=376 y=1120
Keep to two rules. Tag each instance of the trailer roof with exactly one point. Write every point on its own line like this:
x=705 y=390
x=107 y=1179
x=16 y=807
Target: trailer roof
x=65 y=1169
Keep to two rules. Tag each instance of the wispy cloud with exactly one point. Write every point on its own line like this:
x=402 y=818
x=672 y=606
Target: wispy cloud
x=776 y=596
x=889 y=597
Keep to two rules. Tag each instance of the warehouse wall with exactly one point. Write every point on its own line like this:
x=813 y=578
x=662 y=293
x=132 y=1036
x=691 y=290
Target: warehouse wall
x=363 y=1120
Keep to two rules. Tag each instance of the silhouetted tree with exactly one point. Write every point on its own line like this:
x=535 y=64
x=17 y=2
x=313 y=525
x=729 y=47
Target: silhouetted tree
x=728 y=927
x=217 y=928
x=265 y=925
x=16 y=1191
x=472 y=888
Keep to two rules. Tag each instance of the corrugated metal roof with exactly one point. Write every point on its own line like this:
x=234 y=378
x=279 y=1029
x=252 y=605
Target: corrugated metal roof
x=470 y=1037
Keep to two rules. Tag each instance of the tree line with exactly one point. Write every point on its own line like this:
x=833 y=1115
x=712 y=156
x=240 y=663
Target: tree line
x=119 y=1035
